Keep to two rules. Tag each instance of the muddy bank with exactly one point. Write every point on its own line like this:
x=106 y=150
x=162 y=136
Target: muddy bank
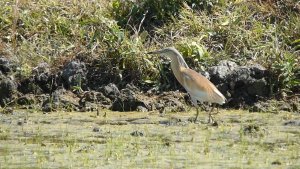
x=86 y=85
x=30 y=139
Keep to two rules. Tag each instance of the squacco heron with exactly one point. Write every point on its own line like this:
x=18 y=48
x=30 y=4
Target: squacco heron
x=198 y=87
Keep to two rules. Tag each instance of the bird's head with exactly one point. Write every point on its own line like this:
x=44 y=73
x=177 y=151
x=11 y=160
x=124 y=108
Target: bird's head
x=169 y=52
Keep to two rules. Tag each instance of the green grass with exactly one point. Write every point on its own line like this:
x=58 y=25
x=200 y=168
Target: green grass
x=119 y=33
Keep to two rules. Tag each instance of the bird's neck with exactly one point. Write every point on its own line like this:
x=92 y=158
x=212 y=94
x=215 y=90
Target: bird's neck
x=175 y=66
x=181 y=61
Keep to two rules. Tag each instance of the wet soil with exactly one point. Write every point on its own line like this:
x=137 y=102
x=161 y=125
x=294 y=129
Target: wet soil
x=106 y=139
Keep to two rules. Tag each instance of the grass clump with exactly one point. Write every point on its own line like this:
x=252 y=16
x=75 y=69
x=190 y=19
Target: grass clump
x=245 y=32
x=156 y=13
x=55 y=32
x=120 y=32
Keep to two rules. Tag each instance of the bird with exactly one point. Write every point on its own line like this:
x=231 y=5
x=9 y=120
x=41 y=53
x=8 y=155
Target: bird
x=197 y=86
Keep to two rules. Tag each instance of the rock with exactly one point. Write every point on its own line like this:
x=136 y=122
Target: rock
x=219 y=74
x=8 y=90
x=111 y=91
x=258 y=87
x=254 y=130
x=137 y=134
x=244 y=83
x=258 y=71
x=240 y=75
x=141 y=109
x=224 y=89
x=159 y=106
x=6 y=65
x=8 y=110
x=61 y=100
x=251 y=128
x=171 y=102
x=258 y=107
x=69 y=101
x=132 y=88
x=171 y=122
x=49 y=82
x=229 y=64
x=41 y=68
x=91 y=100
x=241 y=85
x=48 y=107
x=44 y=79
x=50 y=104
x=276 y=162
x=104 y=101
x=88 y=106
x=272 y=106
x=27 y=99
x=74 y=74
x=96 y=129
x=101 y=72
x=128 y=100
x=296 y=106
x=90 y=96
x=41 y=81
x=292 y=123
x=248 y=76
x=285 y=106
x=29 y=86
x=205 y=74
x=20 y=123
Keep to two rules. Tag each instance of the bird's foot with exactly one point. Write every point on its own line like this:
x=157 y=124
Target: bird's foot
x=191 y=119
x=195 y=119
x=212 y=121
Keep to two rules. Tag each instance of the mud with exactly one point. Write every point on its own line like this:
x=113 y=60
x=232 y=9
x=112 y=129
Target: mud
x=106 y=139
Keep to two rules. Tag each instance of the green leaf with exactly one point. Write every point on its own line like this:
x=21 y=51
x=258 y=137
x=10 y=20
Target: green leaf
x=295 y=42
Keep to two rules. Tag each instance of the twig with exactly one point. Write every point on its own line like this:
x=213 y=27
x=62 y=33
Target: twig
x=14 y=25
x=142 y=22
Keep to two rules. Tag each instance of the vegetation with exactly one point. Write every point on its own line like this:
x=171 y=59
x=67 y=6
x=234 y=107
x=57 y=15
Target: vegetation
x=121 y=32
x=116 y=35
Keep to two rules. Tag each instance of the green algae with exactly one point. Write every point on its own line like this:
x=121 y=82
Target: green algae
x=88 y=140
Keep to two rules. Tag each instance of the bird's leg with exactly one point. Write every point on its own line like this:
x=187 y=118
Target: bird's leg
x=197 y=109
x=210 y=118
x=216 y=106
x=217 y=110
x=205 y=107
x=195 y=103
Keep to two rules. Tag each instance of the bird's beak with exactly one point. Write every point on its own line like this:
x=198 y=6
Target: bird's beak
x=150 y=53
x=161 y=57
x=160 y=53
x=155 y=52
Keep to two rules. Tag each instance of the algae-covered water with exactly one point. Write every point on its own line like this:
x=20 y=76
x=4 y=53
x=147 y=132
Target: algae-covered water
x=105 y=139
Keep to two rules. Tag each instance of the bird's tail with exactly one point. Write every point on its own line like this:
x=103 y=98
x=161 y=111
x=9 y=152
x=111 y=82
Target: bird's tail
x=219 y=97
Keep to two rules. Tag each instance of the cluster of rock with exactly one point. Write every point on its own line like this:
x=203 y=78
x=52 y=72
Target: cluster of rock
x=68 y=89
x=81 y=87
x=241 y=84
